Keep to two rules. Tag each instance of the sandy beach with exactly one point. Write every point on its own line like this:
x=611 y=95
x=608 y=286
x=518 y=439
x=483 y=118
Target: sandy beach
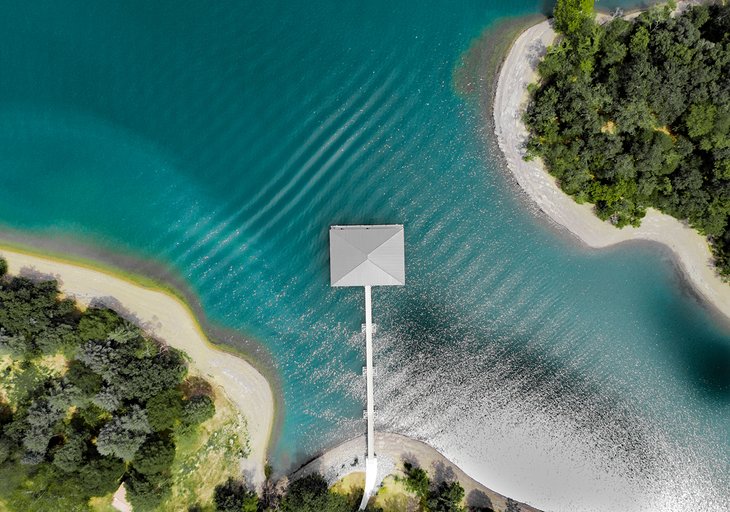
x=168 y=319
x=690 y=249
x=391 y=451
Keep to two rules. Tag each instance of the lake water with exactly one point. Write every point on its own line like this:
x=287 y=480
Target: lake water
x=222 y=139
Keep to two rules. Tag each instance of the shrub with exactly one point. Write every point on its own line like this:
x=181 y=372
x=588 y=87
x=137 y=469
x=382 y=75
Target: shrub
x=233 y=496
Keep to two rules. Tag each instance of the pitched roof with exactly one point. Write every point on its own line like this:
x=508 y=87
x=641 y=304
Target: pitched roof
x=367 y=255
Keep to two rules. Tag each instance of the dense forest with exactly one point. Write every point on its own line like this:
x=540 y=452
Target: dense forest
x=635 y=114
x=86 y=401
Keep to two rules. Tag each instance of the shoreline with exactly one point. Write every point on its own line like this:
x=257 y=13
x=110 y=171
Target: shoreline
x=689 y=249
x=143 y=271
x=394 y=449
x=166 y=316
x=150 y=273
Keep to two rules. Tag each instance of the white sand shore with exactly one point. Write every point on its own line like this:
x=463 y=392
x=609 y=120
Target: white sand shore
x=690 y=248
x=394 y=449
x=168 y=319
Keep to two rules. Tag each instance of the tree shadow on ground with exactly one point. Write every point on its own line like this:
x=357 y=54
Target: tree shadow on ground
x=476 y=500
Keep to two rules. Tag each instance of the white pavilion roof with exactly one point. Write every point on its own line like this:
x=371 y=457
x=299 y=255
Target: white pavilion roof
x=367 y=255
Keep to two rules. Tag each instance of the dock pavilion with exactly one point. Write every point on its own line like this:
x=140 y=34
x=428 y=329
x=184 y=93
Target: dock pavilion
x=368 y=256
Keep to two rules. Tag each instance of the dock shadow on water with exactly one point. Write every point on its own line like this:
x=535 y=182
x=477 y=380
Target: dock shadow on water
x=506 y=394
x=482 y=364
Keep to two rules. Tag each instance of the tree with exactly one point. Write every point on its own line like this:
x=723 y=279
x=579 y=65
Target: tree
x=101 y=357
x=164 y=409
x=89 y=417
x=3 y=267
x=98 y=323
x=70 y=456
x=155 y=455
x=28 y=382
x=631 y=115
x=42 y=421
x=147 y=492
x=572 y=15
x=197 y=410
x=6 y=449
x=311 y=494
x=447 y=497
x=72 y=435
x=512 y=505
x=417 y=482
x=33 y=311
x=81 y=376
x=141 y=378
x=101 y=475
x=107 y=399
x=123 y=435
x=700 y=120
x=12 y=345
x=234 y=496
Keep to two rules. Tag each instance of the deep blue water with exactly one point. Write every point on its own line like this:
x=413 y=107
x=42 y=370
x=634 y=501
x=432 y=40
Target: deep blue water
x=223 y=138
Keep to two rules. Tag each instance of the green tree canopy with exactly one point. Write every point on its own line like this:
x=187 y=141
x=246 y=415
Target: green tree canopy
x=68 y=435
x=311 y=494
x=123 y=435
x=417 y=482
x=198 y=409
x=234 y=496
x=446 y=497
x=155 y=455
x=632 y=115
x=571 y=16
x=164 y=409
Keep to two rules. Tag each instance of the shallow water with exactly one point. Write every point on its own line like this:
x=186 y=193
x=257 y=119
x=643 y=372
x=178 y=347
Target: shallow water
x=222 y=139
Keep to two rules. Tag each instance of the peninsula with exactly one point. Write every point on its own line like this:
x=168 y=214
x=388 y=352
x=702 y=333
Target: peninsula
x=166 y=318
x=692 y=249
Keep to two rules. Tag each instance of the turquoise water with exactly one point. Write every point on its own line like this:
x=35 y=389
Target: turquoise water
x=223 y=138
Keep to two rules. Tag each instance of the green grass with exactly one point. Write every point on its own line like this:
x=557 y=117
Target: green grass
x=102 y=504
x=394 y=497
x=203 y=459
x=208 y=457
